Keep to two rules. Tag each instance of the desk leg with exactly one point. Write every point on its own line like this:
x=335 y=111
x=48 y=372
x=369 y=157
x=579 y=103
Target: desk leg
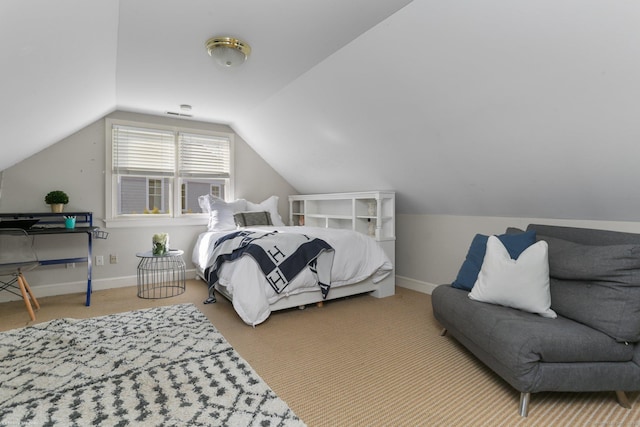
x=89 y=266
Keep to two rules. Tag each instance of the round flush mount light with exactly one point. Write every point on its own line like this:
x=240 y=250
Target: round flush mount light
x=228 y=51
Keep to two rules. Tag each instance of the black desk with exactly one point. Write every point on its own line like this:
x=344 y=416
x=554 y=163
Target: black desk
x=53 y=223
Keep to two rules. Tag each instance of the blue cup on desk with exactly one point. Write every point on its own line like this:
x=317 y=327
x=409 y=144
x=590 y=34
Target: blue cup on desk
x=69 y=222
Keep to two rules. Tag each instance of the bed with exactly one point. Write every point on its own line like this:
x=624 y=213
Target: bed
x=358 y=265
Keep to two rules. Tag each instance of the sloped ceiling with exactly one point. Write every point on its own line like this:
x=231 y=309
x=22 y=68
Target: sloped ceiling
x=500 y=107
x=58 y=71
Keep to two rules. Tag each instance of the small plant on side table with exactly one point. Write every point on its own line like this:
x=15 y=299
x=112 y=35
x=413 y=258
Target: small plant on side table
x=57 y=199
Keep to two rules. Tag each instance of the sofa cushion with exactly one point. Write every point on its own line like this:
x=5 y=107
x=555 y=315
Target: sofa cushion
x=521 y=283
x=519 y=339
x=611 y=263
x=561 y=341
x=586 y=236
x=514 y=242
x=605 y=306
x=597 y=285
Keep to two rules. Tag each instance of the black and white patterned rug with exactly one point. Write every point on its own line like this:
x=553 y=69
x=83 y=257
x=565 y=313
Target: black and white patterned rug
x=160 y=366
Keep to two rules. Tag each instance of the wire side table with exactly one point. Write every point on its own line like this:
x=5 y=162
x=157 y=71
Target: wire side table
x=161 y=276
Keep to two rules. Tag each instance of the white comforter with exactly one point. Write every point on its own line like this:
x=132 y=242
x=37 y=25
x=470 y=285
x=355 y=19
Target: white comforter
x=357 y=257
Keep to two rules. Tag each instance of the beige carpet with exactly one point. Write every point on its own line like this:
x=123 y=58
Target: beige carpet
x=362 y=362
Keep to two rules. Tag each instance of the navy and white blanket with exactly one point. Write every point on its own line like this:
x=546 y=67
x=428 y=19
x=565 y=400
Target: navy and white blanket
x=280 y=256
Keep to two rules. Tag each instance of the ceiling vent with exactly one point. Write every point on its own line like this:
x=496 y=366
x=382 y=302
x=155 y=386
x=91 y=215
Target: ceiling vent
x=173 y=113
x=185 y=111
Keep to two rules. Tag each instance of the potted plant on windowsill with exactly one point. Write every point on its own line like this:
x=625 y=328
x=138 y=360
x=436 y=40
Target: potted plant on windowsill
x=57 y=199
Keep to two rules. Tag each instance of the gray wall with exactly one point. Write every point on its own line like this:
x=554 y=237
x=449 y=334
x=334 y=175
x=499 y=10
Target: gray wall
x=431 y=248
x=76 y=165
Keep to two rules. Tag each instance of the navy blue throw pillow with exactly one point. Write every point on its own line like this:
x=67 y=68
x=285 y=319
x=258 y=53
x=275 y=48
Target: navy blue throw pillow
x=514 y=243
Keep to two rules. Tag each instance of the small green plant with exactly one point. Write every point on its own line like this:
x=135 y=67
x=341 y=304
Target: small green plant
x=56 y=197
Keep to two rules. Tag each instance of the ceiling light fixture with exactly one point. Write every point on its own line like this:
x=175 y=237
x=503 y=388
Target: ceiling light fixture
x=228 y=51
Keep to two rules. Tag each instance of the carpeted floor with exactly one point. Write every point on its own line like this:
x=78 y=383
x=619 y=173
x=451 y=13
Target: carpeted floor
x=363 y=361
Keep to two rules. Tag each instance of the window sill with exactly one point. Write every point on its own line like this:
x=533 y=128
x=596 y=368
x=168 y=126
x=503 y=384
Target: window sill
x=155 y=222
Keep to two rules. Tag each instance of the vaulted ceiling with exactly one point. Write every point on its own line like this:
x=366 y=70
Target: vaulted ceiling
x=500 y=107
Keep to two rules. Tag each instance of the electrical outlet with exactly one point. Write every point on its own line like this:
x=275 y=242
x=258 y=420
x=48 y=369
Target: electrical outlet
x=99 y=260
x=71 y=265
x=113 y=258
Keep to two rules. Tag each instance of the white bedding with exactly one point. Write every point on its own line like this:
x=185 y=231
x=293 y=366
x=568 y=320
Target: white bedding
x=357 y=257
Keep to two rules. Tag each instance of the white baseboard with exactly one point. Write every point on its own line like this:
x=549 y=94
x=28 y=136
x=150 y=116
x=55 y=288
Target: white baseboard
x=53 y=289
x=415 y=285
x=124 y=281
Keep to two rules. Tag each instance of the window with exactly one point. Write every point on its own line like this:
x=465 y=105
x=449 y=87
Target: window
x=156 y=196
x=162 y=172
x=192 y=189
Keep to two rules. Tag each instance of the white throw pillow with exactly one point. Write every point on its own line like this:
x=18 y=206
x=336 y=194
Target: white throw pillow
x=205 y=202
x=521 y=283
x=270 y=205
x=221 y=213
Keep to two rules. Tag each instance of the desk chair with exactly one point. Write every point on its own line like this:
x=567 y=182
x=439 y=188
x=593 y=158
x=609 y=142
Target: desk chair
x=17 y=256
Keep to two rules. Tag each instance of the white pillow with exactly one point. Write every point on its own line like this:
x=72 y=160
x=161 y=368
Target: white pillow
x=205 y=202
x=270 y=205
x=221 y=213
x=521 y=283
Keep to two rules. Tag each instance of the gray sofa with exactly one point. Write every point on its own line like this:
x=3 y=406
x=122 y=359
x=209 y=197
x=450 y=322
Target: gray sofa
x=593 y=344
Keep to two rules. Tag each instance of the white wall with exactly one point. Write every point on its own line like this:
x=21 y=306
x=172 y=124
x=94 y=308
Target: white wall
x=431 y=248
x=76 y=165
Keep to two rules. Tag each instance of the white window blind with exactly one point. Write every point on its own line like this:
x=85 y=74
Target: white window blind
x=139 y=151
x=204 y=156
x=160 y=171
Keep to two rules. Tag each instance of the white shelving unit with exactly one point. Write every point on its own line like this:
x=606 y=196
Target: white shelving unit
x=368 y=212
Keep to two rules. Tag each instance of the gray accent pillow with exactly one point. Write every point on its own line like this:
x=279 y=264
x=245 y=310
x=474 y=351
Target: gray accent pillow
x=248 y=219
x=598 y=286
